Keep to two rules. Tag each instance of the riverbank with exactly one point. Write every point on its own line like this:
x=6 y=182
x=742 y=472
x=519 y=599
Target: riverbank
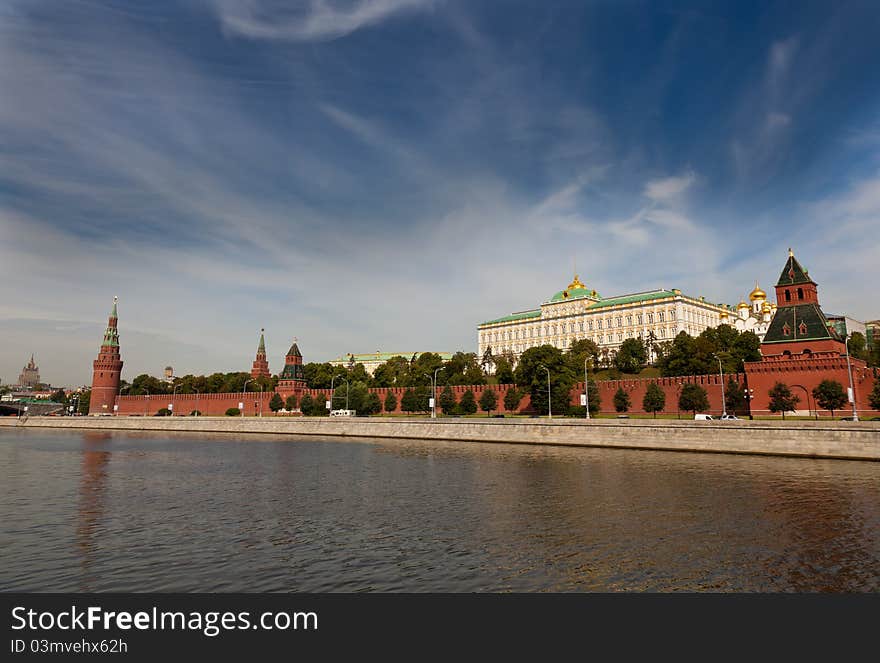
x=834 y=440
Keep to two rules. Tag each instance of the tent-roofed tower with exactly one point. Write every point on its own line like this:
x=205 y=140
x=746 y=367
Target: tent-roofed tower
x=107 y=369
x=261 y=364
x=799 y=326
x=292 y=379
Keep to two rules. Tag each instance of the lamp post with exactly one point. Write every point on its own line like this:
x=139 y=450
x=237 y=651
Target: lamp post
x=147 y=403
x=173 y=394
x=723 y=400
x=197 y=400
x=852 y=390
x=586 y=388
x=244 y=394
x=434 y=391
x=549 y=400
x=809 y=405
x=261 y=399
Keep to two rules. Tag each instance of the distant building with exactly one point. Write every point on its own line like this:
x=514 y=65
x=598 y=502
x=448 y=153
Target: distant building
x=372 y=360
x=844 y=325
x=872 y=333
x=260 y=368
x=30 y=375
x=756 y=317
x=106 y=369
x=169 y=374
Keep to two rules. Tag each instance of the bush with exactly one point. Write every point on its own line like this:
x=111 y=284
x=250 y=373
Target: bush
x=233 y=412
x=276 y=403
x=195 y=413
x=468 y=403
x=290 y=403
x=621 y=400
x=163 y=412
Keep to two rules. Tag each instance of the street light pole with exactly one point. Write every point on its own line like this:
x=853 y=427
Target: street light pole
x=586 y=387
x=852 y=390
x=173 y=394
x=197 y=401
x=244 y=395
x=723 y=401
x=549 y=401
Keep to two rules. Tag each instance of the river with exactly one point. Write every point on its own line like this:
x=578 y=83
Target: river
x=162 y=512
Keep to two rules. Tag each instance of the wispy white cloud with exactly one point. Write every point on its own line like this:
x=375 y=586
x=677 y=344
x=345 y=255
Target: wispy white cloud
x=308 y=20
x=669 y=188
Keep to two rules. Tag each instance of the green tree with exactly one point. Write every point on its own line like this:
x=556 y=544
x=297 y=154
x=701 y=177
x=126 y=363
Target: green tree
x=59 y=397
x=306 y=404
x=488 y=401
x=290 y=403
x=512 y=399
x=409 y=402
x=654 y=400
x=504 y=368
x=693 y=397
x=734 y=396
x=393 y=373
x=531 y=373
x=463 y=368
x=781 y=399
x=468 y=403
x=874 y=396
x=829 y=394
x=583 y=350
x=390 y=404
x=446 y=400
x=631 y=356
x=372 y=404
x=84 y=402
x=233 y=412
x=857 y=346
x=622 y=400
x=276 y=403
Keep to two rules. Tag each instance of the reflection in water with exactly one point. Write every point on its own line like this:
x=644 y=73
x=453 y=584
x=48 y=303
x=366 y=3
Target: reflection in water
x=95 y=460
x=206 y=513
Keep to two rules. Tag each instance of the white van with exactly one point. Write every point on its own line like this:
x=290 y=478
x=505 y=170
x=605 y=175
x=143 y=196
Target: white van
x=703 y=417
x=343 y=413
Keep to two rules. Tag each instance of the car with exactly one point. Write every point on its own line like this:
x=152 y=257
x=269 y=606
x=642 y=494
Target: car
x=703 y=417
x=730 y=417
x=343 y=413
x=848 y=419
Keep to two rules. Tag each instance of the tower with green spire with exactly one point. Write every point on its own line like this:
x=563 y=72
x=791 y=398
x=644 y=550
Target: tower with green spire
x=107 y=369
x=292 y=379
x=261 y=364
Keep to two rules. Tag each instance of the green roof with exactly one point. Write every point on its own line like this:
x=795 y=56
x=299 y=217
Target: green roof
x=524 y=315
x=790 y=318
x=793 y=273
x=262 y=348
x=574 y=293
x=632 y=299
x=384 y=356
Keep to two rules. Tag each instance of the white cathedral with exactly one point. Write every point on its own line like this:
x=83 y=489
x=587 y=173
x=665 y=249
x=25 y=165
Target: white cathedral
x=755 y=317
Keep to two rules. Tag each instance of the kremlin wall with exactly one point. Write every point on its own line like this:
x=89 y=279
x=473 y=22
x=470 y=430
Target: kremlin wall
x=799 y=348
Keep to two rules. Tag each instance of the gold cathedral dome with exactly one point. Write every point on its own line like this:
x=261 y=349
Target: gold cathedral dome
x=742 y=304
x=757 y=294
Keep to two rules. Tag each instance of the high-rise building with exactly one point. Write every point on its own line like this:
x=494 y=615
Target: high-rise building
x=30 y=375
x=106 y=369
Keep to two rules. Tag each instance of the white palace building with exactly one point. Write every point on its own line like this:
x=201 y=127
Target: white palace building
x=579 y=312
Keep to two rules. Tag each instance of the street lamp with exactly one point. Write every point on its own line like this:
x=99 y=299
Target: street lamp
x=809 y=405
x=173 y=394
x=261 y=399
x=549 y=401
x=586 y=388
x=852 y=391
x=244 y=395
x=197 y=400
x=434 y=391
x=723 y=401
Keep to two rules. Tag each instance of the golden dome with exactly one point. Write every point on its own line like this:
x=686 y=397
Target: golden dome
x=724 y=314
x=576 y=284
x=766 y=307
x=757 y=293
x=742 y=304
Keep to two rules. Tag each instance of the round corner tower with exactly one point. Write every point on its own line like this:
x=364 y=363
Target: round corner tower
x=106 y=370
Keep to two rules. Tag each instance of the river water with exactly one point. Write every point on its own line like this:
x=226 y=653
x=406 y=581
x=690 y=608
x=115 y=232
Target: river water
x=98 y=511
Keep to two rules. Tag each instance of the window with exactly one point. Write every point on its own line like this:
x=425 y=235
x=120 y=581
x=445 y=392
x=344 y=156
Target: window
x=660 y=316
x=672 y=315
x=619 y=322
x=629 y=320
x=802 y=328
x=800 y=293
x=599 y=325
x=787 y=295
x=786 y=330
x=650 y=318
x=590 y=323
x=639 y=318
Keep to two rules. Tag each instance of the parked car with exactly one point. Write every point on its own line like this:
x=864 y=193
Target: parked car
x=703 y=417
x=730 y=417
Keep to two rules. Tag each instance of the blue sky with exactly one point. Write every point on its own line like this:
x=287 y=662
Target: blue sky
x=387 y=174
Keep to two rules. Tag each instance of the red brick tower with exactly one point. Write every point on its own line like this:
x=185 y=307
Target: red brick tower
x=261 y=365
x=292 y=380
x=106 y=370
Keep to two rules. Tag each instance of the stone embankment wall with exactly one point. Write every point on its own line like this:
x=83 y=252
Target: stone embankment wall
x=839 y=440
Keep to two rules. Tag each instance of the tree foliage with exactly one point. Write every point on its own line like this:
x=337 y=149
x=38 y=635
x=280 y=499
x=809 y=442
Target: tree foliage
x=693 y=397
x=631 y=356
x=782 y=399
x=654 y=400
x=488 y=400
x=531 y=374
x=290 y=403
x=622 y=400
x=446 y=400
x=390 y=404
x=874 y=396
x=233 y=412
x=512 y=399
x=857 y=346
x=734 y=396
x=468 y=403
x=687 y=355
x=830 y=395
x=276 y=403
